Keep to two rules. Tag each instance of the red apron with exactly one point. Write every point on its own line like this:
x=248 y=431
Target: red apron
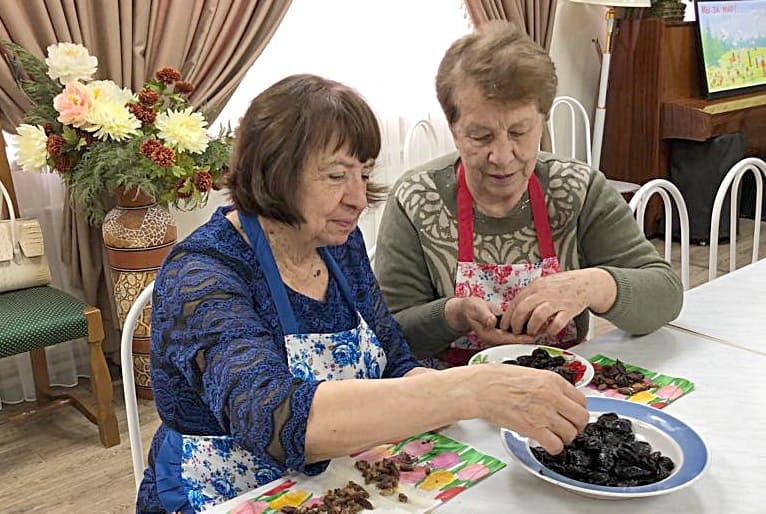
x=498 y=284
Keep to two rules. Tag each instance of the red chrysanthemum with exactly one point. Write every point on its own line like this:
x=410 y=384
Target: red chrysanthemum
x=63 y=163
x=218 y=184
x=54 y=145
x=183 y=87
x=163 y=156
x=168 y=75
x=149 y=146
x=180 y=185
x=143 y=114
x=87 y=136
x=203 y=181
x=48 y=128
x=148 y=97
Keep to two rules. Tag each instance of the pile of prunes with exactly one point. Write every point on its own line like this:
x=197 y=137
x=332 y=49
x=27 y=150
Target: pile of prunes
x=607 y=453
x=540 y=359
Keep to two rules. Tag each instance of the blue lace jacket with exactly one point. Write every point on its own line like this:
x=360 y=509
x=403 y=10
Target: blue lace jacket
x=218 y=361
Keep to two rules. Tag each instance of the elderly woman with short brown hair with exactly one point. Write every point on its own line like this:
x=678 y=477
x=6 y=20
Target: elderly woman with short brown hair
x=272 y=347
x=499 y=243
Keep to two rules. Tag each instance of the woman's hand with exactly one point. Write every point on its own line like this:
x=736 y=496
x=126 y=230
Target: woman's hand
x=535 y=403
x=474 y=314
x=548 y=303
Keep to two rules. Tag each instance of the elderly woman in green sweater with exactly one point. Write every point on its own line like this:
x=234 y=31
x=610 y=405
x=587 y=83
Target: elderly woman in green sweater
x=500 y=243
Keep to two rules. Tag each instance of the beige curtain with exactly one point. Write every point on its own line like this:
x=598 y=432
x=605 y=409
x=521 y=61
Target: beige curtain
x=534 y=16
x=212 y=42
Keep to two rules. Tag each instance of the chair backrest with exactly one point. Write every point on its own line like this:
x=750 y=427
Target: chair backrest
x=129 y=384
x=433 y=143
x=666 y=190
x=6 y=178
x=733 y=178
x=576 y=111
x=371 y=254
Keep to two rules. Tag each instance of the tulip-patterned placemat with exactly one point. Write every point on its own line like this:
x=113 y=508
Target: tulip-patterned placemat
x=443 y=468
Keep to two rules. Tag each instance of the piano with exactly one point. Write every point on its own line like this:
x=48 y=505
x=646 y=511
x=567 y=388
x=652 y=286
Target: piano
x=657 y=94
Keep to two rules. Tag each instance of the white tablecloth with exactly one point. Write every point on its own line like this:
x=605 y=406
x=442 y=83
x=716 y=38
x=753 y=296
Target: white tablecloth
x=727 y=408
x=731 y=308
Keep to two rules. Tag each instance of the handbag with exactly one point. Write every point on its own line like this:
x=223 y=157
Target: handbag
x=22 y=252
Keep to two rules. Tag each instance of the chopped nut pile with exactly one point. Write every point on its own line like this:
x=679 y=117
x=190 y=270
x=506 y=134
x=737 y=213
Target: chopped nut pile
x=385 y=473
x=349 y=500
x=617 y=377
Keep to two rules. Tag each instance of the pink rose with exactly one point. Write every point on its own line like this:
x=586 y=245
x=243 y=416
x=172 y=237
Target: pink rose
x=73 y=104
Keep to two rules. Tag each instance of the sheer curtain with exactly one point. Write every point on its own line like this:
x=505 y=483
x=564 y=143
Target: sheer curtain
x=151 y=33
x=389 y=51
x=41 y=196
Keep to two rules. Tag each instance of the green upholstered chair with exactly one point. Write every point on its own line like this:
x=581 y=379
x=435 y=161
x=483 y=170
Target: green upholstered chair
x=30 y=320
x=34 y=318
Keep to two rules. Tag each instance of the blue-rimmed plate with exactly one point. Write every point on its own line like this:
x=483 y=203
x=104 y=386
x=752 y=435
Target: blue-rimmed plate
x=513 y=351
x=671 y=436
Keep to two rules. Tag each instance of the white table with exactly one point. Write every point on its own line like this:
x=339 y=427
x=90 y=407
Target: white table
x=727 y=408
x=731 y=308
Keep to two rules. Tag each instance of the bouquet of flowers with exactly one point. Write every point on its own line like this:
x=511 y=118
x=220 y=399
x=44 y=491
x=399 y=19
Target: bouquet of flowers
x=100 y=137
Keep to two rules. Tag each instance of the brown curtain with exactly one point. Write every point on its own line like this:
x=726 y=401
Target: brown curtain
x=535 y=17
x=212 y=42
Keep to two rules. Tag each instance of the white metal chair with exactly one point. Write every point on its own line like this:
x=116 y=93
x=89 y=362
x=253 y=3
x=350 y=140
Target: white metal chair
x=431 y=141
x=576 y=110
x=371 y=254
x=666 y=190
x=129 y=384
x=733 y=178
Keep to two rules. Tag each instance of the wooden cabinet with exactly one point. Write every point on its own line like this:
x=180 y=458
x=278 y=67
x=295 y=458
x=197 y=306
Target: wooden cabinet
x=656 y=93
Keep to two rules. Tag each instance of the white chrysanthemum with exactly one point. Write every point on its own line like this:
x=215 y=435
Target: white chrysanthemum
x=108 y=119
x=31 y=152
x=107 y=90
x=68 y=62
x=183 y=131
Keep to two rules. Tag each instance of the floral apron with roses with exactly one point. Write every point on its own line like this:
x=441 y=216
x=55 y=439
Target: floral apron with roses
x=196 y=472
x=498 y=284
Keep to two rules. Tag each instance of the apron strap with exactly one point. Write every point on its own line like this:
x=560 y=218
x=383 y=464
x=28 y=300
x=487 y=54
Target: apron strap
x=540 y=217
x=265 y=258
x=340 y=277
x=464 y=218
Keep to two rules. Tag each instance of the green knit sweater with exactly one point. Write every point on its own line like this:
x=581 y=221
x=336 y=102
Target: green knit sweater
x=591 y=225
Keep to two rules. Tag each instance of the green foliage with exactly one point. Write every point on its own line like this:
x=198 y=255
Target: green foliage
x=31 y=74
x=93 y=168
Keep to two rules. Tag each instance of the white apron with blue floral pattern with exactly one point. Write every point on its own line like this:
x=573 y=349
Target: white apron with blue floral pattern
x=214 y=469
x=498 y=284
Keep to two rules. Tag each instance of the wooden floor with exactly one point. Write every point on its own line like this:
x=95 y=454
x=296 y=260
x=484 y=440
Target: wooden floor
x=53 y=463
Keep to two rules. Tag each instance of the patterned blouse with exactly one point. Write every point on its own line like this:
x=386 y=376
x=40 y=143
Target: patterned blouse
x=218 y=360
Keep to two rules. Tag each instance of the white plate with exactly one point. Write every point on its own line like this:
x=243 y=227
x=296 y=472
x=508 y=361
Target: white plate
x=512 y=351
x=665 y=433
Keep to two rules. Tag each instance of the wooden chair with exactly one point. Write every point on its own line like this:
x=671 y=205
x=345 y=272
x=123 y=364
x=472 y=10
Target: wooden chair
x=34 y=318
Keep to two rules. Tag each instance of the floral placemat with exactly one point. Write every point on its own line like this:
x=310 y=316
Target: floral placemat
x=444 y=468
x=667 y=390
